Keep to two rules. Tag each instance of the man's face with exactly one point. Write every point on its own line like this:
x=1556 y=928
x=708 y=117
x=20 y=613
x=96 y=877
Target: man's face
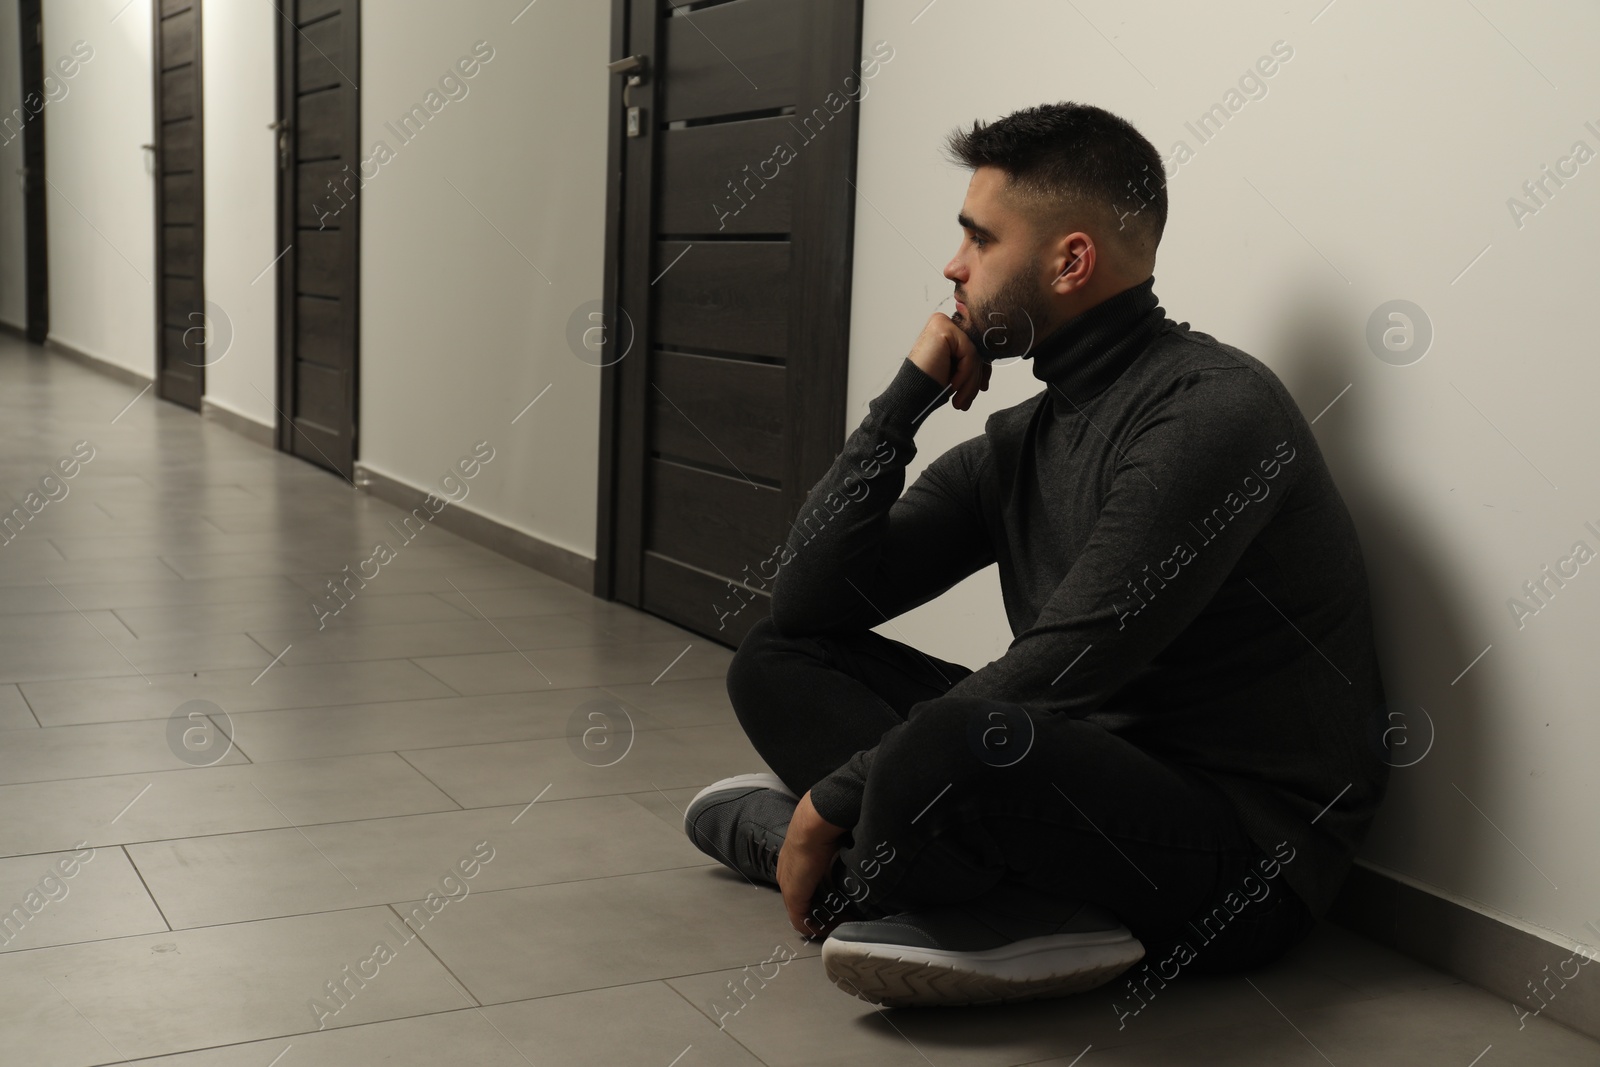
x=1001 y=285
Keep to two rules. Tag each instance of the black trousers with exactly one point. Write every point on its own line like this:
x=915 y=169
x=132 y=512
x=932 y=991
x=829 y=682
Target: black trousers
x=963 y=793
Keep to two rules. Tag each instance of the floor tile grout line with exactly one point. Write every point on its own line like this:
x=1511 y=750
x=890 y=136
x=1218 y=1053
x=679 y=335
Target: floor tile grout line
x=147 y=890
x=435 y=677
x=474 y=1001
x=29 y=705
x=124 y=623
x=401 y=756
x=699 y=1011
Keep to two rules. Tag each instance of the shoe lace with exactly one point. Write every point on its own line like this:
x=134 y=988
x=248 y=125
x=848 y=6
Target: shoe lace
x=761 y=854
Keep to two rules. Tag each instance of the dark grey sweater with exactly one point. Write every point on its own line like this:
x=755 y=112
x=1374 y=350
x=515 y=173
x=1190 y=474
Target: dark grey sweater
x=1164 y=523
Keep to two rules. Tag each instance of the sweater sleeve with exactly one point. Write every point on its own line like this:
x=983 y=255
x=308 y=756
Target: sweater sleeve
x=861 y=552
x=1195 y=483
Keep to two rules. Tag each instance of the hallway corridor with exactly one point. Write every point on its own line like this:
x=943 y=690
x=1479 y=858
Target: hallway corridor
x=230 y=898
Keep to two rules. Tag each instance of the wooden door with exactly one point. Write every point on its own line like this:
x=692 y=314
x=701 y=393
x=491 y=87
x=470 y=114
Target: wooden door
x=181 y=324
x=728 y=270
x=35 y=236
x=319 y=161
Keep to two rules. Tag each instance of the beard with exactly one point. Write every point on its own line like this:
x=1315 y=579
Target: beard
x=1005 y=325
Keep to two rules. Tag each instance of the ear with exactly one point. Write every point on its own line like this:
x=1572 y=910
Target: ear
x=1073 y=259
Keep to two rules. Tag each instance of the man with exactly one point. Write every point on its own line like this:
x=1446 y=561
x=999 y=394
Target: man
x=1172 y=757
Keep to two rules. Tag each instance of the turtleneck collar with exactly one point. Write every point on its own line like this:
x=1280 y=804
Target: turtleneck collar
x=1089 y=351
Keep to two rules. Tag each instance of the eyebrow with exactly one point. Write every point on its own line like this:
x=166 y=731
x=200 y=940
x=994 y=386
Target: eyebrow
x=968 y=224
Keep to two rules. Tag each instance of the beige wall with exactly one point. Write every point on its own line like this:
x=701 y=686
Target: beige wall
x=241 y=204
x=100 y=206
x=1377 y=166
x=479 y=239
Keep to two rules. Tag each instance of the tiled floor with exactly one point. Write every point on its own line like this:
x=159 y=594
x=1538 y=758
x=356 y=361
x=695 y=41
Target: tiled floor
x=219 y=893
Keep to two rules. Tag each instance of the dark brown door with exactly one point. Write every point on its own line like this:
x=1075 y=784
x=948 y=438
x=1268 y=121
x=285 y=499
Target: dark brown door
x=319 y=163
x=729 y=257
x=181 y=324
x=35 y=238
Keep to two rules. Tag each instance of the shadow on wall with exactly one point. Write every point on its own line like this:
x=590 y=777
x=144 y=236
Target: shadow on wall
x=1433 y=728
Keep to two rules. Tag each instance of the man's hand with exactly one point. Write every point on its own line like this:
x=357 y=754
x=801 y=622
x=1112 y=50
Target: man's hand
x=809 y=846
x=946 y=354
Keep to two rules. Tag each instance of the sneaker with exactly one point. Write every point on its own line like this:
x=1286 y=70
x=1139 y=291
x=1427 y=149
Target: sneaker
x=741 y=821
x=1010 y=945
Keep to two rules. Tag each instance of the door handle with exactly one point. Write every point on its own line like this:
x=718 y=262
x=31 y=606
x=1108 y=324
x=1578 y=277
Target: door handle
x=282 y=126
x=637 y=68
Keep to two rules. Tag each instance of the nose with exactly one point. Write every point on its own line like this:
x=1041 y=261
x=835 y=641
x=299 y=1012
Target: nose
x=956 y=270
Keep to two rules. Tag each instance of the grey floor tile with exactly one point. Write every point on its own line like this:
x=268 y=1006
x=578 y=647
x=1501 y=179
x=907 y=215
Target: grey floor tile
x=61 y=627
x=195 y=540
x=30 y=545
x=41 y=573
x=94 y=652
x=1445 y=1026
x=237 y=877
x=668 y=805
x=59 y=898
x=439 y=722
x=118 y=809
x=680 y=702
x=480 y=775
x=399 y=578
x=1362 y=965
x=546 y=598
x=522 y=943
x=89 y=751
x=331 y=559
x=158 y=696
x=290 y=613
x=644 y=1025
x=14 y=711
x=618 y=664
x=166 y=590
x=344 y=640
x=176 y=991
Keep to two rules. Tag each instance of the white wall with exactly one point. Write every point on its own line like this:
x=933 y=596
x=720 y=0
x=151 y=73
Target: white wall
x=13 y=258
x=1389 y=145
x=241 y=203
x=459 y=329
x=101 y=209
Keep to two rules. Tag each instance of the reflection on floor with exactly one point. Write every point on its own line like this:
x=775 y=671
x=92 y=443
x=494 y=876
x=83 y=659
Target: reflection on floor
x=406 y=854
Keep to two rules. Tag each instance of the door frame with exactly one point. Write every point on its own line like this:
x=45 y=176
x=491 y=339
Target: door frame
x=816 y=397
x=160 y=199
x=287 y=228
x=613 y=509
x=36 y=242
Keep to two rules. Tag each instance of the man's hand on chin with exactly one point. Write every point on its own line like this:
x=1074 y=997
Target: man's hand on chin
x=808 y=849
x=946 y=354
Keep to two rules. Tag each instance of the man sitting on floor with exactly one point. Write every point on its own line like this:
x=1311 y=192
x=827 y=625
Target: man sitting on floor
x=1173 y=754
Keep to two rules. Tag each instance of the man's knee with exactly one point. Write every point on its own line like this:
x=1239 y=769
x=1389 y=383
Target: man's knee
x=749 y=670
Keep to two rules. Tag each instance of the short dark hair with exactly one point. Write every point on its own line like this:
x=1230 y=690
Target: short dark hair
x=1070 y=158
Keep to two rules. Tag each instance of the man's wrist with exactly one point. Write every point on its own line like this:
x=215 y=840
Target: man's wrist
x=808 y=828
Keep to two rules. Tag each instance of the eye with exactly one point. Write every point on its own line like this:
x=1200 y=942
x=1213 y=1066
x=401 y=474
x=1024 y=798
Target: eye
x=977 y=240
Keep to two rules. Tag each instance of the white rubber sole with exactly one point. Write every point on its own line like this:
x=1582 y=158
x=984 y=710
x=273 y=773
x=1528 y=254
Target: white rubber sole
x=760 y=780
x=901 y=976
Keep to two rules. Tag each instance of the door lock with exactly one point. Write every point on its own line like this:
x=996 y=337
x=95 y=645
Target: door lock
x=637 y=68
